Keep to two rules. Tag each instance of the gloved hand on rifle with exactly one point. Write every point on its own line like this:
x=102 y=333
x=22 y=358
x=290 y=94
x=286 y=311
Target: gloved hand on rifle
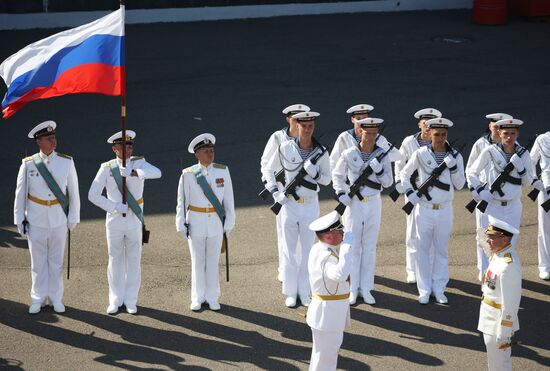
x=538 y=185
x=280 y=197
x=518 y=163
x=311 y=169
x=345 y=199
x=413 y=198
x=375 y=165
x=475 y=196
x=486 y=195
x=450 y=161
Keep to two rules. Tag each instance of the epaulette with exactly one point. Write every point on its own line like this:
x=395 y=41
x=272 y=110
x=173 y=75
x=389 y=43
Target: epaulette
x=135 y=158
x=106 y=164
x=188 y=169
x=219 y=166
x=27 y=159
x=64 y=156
x=508 y=258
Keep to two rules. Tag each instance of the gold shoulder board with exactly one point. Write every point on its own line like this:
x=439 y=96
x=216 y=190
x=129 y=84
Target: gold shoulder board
x=219 y=166
x=64 y=156
x=26 y=159
x=135 y=158
x=508 y=258
x=188 y=169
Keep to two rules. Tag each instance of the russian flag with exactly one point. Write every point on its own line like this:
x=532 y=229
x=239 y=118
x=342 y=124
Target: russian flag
x=86 y=59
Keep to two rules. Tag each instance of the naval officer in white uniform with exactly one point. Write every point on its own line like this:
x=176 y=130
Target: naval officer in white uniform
x=204 y=213
x=124 y=225
x=328 y=314
x=501 y=286
x=44 y=215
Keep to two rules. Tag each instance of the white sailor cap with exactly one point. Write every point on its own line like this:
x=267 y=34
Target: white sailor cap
x=327 y=223
x=370 y=122
x=43 y=129
x=498 y=116
x=117 y=137
x=296 y=108
x=360 y=109
x=499 y=227
x=427 y=113
x=200 y=141
x=439 y=122
x=509 y=123
x=306 y=116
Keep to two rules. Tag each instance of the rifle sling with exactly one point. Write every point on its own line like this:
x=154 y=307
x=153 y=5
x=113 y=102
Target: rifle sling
x=439 y=184
x=374 y=185
x=309 y=185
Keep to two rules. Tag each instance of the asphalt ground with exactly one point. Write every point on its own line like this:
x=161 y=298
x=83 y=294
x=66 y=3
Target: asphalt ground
x=232 y=78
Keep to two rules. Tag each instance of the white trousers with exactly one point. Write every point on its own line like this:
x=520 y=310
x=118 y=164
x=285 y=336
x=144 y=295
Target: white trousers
x=324 y=354
x=47 y=249
x=410 y=243
x=432 y=261
x=205 y=257
x=543 y=237
x=482 y=221
x=497 y=359
x=297 y=242
x=124 y=269
x=363 y=220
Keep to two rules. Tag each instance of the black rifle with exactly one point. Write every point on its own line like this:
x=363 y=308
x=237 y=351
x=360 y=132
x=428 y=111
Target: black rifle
x=502 y=178
x=431 y=181
x=546 y=205
x=394 y=194
x=355 y=188
x=279 y=177
x=290 y=189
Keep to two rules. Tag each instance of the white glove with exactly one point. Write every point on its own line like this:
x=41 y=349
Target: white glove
x=375 y=165
x=20 y=229
x=71 y=226
x=475 y=196
x=280 y=197
x=413 y=198
x=503 y=342
x=345 y=199
x=140 y=173
x=399 y=188
x=121 y=208
x=126 y=171
x=486 y=196
x=311 y=170
x=538 y=185
x=184 y=232
x=227 y=232
x=517 y=162
x=348 y=238
x=450 y=161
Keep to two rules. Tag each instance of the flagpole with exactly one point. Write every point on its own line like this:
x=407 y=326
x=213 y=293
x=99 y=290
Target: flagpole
x=123 y=107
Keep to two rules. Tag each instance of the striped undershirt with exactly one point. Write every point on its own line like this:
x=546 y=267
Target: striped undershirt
x=439 y=156
x=365 y=156
x=508 y=156
x=304 y=153
x=423 y=143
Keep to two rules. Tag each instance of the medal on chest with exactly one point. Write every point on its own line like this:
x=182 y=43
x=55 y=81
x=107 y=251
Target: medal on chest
x=219 y=182
x=490 y=279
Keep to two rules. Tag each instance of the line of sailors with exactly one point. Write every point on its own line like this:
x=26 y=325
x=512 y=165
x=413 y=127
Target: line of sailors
x=429 y=225
x=47 y=206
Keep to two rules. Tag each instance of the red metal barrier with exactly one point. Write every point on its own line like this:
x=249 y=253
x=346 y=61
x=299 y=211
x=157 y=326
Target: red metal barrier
x=490 y=11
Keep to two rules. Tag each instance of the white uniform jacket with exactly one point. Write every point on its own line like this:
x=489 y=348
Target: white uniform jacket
x=494 y=158
x=31 y=183
x=190 y=194
x=351 y=166
x=478 y=147
x=541 y=152
x=346 y=139
x=498 y=314
x=288 y=157
x=105 y=180
x=329 y=276
x=424 y=161
x=409 y=145
x=275 y=140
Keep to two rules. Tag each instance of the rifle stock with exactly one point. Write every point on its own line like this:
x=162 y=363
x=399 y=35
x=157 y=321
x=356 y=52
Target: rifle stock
x=533 y=194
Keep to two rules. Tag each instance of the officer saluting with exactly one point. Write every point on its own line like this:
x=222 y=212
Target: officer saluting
x=205 y=212
x=329 y=265
x=501 y=286
x=124 y=222
x=47 y=203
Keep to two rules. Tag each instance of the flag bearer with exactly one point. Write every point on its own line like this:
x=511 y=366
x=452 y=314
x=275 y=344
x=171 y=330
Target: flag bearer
x=204 y=213
x=124 y=221
x=47 y=204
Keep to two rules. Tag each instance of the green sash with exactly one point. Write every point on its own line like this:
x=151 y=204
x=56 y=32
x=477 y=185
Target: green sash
x=129 y=197
x=52 y=184
x=208 y=192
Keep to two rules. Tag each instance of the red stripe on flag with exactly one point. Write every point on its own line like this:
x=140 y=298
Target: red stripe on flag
x=87 y=78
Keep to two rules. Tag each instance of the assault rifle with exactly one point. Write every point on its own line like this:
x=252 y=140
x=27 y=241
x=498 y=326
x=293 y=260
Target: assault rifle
x=290 y=189
x=433 y=180
x=354 y=189
x=280 y=178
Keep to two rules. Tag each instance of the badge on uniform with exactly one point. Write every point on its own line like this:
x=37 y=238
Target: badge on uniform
x=491 y=280
x=219 y=182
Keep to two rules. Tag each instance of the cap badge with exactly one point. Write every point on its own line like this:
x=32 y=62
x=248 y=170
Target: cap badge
x=49 y=128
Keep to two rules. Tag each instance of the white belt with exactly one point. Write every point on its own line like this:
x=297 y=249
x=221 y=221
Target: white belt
x=504 y=202
x=367 y=198
x=305 y=199
x=436 y=206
